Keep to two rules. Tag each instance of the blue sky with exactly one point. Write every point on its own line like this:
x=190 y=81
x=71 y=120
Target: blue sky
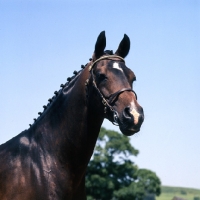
x=43 y=42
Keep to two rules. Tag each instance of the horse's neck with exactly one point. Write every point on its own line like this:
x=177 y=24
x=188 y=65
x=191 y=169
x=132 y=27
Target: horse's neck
x=70 y=127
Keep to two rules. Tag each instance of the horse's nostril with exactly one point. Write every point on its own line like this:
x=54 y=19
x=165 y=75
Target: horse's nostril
x=127 y=113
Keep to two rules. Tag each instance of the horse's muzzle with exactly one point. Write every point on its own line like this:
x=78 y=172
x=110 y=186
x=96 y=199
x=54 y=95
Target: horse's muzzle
x=131 y=121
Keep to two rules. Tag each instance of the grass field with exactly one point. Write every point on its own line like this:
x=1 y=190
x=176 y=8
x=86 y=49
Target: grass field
x=186 y=193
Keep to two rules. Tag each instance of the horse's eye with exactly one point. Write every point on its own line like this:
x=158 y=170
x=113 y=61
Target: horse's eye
x=102 y=77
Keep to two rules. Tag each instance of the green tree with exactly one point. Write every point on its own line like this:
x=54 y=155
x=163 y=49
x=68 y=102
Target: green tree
x=112 y=174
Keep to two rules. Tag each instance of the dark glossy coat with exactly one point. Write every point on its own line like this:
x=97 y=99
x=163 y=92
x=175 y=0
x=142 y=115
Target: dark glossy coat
x=49 y=160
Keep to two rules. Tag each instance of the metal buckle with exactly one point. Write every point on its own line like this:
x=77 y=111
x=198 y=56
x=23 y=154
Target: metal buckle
x=104 y=102
x=90 y=67
x=115 y=118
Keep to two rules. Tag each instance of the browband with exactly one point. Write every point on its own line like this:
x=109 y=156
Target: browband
x=105 y=57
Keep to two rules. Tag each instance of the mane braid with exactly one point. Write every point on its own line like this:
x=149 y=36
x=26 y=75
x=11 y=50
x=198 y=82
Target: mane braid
x=64 y=87
x=70 y=82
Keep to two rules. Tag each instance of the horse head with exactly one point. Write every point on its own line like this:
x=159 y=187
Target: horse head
x=113 y=82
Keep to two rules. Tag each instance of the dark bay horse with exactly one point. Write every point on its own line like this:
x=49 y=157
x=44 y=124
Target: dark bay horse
x=49 y=160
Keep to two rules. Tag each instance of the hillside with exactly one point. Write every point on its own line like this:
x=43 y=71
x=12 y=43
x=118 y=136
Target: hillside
x=185 y=193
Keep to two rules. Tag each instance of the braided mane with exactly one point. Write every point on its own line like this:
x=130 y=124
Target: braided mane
x=65 y=87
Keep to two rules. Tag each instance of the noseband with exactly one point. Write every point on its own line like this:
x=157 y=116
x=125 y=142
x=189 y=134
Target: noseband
x=107 y=100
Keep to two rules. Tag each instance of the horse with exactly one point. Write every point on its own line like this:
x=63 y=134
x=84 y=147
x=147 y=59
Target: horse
x=49 y=159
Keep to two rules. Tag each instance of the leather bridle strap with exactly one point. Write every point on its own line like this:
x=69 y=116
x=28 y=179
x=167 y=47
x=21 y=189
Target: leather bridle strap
x=111 y=98
x=103 y=58
x=104 y=101
x=107 y=101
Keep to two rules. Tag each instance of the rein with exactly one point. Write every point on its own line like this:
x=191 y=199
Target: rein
x=112 y=97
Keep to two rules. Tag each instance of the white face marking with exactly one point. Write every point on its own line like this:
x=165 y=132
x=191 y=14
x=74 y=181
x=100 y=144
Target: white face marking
x=116 y=66
x=134 y=113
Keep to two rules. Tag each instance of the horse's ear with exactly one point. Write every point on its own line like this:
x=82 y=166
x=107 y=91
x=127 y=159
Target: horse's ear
x=124 y=47
x=100 y=45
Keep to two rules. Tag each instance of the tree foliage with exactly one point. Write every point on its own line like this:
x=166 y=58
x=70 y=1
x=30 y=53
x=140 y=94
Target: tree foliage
x=112 y=175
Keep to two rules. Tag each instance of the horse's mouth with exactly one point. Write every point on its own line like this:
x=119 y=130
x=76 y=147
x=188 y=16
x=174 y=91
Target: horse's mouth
x=129 y=131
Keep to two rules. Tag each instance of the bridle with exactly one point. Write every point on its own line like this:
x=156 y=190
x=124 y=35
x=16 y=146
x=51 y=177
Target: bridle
x=108 y=100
